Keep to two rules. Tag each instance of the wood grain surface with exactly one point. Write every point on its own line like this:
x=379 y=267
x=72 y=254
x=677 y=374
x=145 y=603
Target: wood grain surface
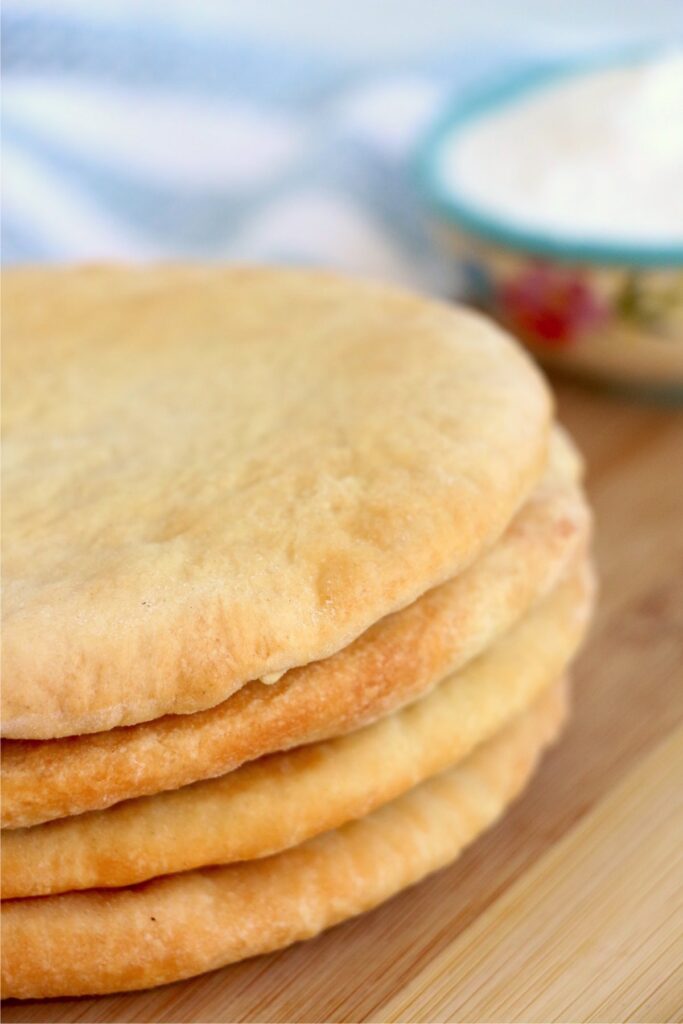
x=572 y=908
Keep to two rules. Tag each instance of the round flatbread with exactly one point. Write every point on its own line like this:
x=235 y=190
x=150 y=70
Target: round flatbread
x=213 y=475
x=283 y=800
x=397 y=660
x=181 y=925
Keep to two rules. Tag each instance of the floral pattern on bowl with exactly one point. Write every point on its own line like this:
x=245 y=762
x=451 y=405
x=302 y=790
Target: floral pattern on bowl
x=623 y=323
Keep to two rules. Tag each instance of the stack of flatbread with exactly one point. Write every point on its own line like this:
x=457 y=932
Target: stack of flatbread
x=294 y=569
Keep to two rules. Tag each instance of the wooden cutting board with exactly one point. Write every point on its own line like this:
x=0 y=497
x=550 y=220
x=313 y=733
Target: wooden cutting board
x=572 y=908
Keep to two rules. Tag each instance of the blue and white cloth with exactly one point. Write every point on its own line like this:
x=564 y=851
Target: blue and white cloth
x=137 y=131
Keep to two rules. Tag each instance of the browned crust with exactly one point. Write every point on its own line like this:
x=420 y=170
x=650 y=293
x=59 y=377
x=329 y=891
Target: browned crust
x=281 y=801
x=175 y=927
x=397 y=660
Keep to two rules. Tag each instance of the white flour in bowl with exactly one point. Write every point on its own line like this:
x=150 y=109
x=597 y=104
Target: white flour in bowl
x=597 y=156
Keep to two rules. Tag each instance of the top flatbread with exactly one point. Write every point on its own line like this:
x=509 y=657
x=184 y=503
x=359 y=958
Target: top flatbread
x=212 y=475
x=399 y=659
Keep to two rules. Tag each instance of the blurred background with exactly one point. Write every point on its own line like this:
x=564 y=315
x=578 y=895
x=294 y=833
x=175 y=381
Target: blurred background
x=259 y=130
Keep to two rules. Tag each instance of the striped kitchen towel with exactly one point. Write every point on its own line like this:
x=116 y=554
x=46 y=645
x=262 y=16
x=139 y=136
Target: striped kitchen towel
x=141 y=131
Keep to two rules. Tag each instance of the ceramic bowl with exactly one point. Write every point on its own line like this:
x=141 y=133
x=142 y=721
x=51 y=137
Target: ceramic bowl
x=596 y=307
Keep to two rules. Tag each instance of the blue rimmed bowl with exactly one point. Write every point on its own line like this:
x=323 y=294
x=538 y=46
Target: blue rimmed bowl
x=599 y=308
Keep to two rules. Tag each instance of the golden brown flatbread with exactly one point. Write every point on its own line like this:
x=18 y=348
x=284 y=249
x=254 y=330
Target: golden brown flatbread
x=397 y=660
x=181 y=925
x=213 y=474
x=283 y=800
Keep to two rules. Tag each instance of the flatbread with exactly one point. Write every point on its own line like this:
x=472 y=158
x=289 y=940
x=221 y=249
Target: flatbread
x=181 y=925
x=394 y=662
x=281 y=801
x=212 y=475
